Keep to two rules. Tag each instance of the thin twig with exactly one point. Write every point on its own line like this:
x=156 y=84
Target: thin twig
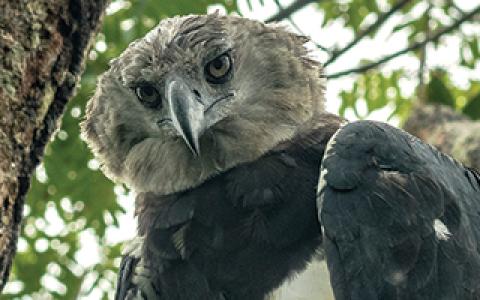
x=421 y=92
x=363 y=33
x=292 y=22
x=461 y=11
x=289 y=10
x=456 y=7
x=439 y=33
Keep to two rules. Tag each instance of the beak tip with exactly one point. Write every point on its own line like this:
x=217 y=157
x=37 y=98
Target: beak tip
x=196 y=152
x=193 y=146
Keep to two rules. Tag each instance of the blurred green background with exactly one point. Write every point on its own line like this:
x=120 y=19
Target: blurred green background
x=70 y=243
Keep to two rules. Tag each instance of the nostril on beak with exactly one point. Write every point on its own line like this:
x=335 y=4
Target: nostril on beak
x=198 y=97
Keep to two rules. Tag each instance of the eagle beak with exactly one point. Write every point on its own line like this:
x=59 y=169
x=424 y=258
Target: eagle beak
x=187 y=113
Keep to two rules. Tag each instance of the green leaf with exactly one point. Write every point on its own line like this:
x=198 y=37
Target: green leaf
x=378 y=91
x=472 y=109
x=437 y=91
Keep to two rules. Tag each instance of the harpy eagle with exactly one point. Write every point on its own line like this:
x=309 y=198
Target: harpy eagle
x=242 y=178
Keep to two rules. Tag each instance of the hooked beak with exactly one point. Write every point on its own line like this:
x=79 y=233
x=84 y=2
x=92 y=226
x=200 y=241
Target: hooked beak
x=187 y=113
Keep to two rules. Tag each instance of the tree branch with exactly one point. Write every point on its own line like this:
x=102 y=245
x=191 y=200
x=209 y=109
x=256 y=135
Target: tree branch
x=42 y=74
x=439 y=33
x=289 y=10
x=363 y=33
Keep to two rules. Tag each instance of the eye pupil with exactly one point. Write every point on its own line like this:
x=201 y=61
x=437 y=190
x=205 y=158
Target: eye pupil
x=218 y=70
x=148 y=96
x=218 y=63
x=148 y=91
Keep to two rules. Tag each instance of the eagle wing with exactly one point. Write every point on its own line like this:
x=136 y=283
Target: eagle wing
x=401 y=220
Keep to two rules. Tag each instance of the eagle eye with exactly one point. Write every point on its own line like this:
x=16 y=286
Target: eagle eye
x=148 y=96
x=218 y=70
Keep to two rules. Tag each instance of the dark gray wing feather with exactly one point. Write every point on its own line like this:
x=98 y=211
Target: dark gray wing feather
x=127 y=288
x=124 y=284
x=401 y=220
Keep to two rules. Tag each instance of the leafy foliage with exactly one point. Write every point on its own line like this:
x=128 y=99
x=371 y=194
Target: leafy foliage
x=352 y=13
x=437 y=90
x=376 y=91
x=71 y=199
x=472 y=108
x=379 y=90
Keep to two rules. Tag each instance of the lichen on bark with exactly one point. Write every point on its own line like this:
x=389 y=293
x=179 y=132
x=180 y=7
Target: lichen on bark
x=42 y=51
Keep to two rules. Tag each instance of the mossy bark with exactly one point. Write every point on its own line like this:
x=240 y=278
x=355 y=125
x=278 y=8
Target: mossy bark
x=449 y=131
x=42 y=52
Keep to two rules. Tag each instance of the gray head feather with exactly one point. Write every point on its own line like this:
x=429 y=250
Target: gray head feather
x=274 y=88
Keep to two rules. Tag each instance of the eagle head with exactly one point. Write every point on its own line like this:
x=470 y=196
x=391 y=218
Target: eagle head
x=198 y=95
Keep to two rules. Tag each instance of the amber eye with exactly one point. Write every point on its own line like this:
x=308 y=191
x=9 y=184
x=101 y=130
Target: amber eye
x=148 y=96
x=219 y=69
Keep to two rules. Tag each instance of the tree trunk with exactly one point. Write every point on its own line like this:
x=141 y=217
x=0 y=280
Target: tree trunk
x=449 y=131
x=42 y=52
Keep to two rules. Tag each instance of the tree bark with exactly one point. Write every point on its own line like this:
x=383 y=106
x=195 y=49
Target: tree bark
x=451 y=132
x=42 y=52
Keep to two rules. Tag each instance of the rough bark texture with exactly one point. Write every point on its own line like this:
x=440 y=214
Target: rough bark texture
x=449 y=131
x=42 y=51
